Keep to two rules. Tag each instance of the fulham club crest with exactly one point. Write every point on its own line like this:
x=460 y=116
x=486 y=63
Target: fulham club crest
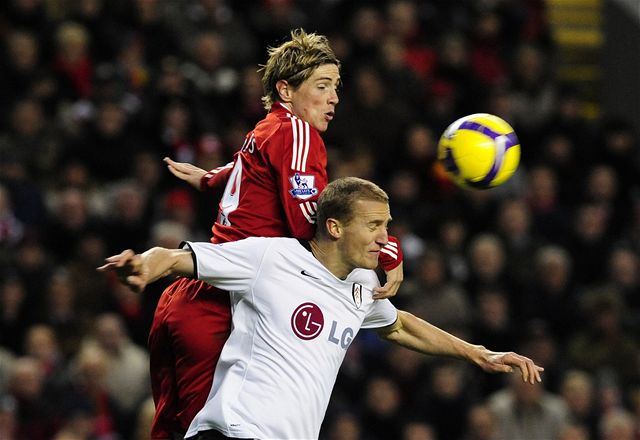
x=356 y=292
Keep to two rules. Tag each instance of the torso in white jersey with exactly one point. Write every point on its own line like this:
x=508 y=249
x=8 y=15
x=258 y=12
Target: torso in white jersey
x=292 y=323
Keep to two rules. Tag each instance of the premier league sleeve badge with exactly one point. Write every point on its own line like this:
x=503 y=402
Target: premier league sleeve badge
x=302 y=186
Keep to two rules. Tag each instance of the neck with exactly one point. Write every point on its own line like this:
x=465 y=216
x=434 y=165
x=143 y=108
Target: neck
x=327 y=253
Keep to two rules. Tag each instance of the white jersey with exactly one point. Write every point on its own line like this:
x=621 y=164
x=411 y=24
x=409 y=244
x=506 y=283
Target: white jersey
x=293 y=321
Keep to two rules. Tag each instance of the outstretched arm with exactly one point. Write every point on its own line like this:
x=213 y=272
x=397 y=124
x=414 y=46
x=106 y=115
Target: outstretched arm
x=186 y=171
x=417 y=334
x=200 y=179
x=138 y=270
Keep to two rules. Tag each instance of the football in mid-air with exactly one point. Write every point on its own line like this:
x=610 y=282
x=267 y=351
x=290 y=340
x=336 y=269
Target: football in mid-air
x=479 y=151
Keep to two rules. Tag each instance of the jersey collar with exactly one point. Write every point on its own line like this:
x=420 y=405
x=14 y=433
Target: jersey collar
x=305 y=244
x=280 y=107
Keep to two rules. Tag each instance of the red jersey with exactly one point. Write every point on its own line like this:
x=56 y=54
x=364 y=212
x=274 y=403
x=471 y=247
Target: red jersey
x=275 y=181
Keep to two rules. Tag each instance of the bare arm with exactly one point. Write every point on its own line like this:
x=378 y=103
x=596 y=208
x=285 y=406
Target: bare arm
x=138 y=270
x=418 y=335
x=186 y=171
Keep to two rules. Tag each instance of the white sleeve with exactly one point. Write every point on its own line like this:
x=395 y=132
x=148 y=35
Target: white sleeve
x=381 y=314
x=231 y=266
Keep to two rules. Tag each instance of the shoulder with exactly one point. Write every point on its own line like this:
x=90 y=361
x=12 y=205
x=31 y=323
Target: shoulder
x=283 y=126
x=366 y=277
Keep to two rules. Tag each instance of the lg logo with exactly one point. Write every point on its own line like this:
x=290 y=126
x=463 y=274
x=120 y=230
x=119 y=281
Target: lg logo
x=307 y=322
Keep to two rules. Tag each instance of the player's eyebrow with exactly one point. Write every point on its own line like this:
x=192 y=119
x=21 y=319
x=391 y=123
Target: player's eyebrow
x=380 y=222
x=328 y=78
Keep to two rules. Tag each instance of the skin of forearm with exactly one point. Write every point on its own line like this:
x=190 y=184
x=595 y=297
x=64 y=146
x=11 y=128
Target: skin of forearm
x=159 y=262
x=418 y=335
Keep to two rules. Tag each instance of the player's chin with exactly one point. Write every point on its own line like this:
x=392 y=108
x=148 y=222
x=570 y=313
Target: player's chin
x=371 y=261
x=322 y=125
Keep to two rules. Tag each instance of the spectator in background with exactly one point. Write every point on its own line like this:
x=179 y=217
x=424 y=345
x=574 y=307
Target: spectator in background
x=36 y=413
x=514 y=228
x=481 y=424
x=551 y=296
x=617 y=425
x=533 y=88
x=126 y=221
x=573 y=432
x=106 y=144
x=15 y=313
x=447 y=399
x=527 y=412
x=604 y=346
x=126 y=370
x=382 y=409
x=85 y=395
x=345 y=426
x=434 y=297
x=589 y=242
x=550 y=218
x=41 y=343
x=416 y=430
x=487 y=265
x=11 y=229
x=7 y=359
x=63 y=314
x=8 y=419
x=624 y=276
x=71 y=218
x=24 y=72
x=214 y=80
x=579 y=393
x=72 y=62
x=30 y=140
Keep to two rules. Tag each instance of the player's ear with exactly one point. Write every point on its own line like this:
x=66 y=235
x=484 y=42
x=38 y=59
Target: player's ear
x=334 y=228
x=284 y=90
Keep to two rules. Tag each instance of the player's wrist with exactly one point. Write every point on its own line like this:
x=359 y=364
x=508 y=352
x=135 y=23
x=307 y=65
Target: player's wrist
x=204 y=181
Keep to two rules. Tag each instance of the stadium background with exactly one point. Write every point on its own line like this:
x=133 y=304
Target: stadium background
x=94 y=93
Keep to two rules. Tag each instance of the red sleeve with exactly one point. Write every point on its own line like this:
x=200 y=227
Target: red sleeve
x=391 y=255
x=300 y=166
x=216 y=179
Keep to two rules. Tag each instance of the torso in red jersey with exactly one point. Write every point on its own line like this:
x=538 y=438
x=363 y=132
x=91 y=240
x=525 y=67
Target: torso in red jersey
x=275 y=181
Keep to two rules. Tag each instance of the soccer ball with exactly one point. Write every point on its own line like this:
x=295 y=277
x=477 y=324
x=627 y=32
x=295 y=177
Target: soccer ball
x=479 y=151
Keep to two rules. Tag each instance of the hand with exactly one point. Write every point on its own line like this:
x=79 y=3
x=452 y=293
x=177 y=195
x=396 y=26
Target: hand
x=185 y=171
x=130 y=269
x=394 y=279
x=496 y=362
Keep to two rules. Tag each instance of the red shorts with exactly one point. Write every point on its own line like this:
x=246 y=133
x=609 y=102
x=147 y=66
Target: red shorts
x=191 y=324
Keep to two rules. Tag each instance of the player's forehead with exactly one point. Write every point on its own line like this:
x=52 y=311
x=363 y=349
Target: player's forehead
x=371 y=210
x=326 y=72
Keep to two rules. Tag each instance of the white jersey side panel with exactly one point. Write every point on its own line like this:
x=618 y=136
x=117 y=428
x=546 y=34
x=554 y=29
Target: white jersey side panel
x=292 y=325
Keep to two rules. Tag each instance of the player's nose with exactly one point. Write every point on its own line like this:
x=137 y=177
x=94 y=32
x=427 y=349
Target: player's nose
x=383 y=238
x=334 y=99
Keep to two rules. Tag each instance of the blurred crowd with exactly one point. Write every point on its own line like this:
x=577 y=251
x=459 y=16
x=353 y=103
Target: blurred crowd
x=94 y=93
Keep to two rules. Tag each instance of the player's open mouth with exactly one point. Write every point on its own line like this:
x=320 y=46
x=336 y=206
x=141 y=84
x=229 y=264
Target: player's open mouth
x=329 y=116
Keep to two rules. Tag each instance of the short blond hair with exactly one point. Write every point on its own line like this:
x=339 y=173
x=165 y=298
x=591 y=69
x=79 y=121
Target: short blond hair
x=294 y=61
x=338 y=200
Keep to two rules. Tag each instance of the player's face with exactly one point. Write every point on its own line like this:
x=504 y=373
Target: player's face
x=366 y=234
x=316 y=98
